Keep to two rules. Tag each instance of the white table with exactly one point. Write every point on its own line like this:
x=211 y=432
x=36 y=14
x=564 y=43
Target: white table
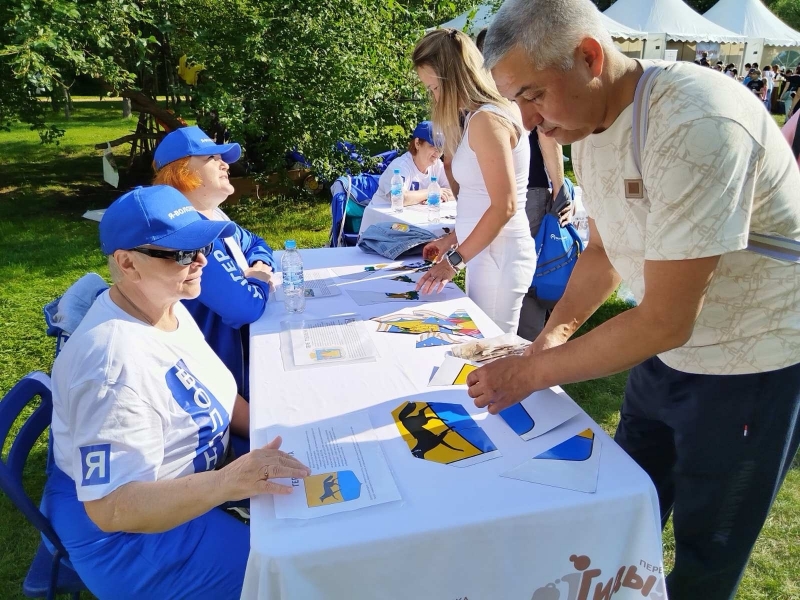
x=458 y=532
x=411 y=215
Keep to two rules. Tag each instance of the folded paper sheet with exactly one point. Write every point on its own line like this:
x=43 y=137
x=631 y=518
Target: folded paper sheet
x=572 y=464
x=539 y=413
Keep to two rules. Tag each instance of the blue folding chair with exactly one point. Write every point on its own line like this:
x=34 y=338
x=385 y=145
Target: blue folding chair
x=349 y=197
x=50 y=572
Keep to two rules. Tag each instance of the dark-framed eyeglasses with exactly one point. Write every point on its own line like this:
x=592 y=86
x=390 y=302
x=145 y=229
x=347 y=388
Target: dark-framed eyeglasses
x=182 y=257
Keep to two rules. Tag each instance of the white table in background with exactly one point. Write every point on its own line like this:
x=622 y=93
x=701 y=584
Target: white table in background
x=411 y=215
x=457 y=532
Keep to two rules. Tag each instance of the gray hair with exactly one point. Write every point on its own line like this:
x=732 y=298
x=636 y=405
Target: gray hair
x=547 y=30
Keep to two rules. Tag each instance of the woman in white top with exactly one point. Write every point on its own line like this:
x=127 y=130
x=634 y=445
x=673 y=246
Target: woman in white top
x=490 y=160
x=417 y=166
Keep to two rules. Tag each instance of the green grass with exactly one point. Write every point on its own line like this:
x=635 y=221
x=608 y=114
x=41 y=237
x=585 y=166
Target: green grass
x=45 y=245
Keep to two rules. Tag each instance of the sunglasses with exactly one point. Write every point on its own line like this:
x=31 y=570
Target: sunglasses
x=182 y=257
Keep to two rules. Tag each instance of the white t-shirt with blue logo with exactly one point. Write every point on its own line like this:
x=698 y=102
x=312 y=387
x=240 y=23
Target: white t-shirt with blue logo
x=413 y=178
x=134 y=403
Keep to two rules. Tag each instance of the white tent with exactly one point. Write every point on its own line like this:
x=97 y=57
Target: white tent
x=752 y=19
x=485 y=13
x=673 y=18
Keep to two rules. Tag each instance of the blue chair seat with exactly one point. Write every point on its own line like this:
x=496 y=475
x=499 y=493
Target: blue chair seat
x=37 y=581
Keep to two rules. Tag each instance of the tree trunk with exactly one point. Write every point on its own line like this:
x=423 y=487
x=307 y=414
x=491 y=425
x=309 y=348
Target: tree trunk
x=66 y=103
x=126 y=108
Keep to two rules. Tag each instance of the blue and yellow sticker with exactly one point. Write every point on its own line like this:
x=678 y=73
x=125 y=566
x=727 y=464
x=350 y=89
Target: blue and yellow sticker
x=323 y=489
x=440 y=432
x=576 y=448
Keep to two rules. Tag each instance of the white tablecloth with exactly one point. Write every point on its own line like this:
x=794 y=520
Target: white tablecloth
x=413 y=215
x=458 y=532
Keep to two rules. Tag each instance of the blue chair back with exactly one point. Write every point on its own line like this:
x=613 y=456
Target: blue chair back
x=50 y=571
x=32 y=385
x=349 y=197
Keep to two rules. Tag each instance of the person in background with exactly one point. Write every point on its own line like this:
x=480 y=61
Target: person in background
x=704 y=59
x=791 y=130
x=237 y=278
x=143 y=413
x=491 y=157
x=545 y=181
x=712 y=406
x=792 y=85
x=421 y=162
x=769 y=79
x=757 y=85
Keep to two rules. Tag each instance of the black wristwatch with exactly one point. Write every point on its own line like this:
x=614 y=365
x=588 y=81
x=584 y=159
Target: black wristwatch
x=455 y=259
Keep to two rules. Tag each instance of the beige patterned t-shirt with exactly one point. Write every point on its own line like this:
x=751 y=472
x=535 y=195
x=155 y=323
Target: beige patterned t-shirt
x=715 y=166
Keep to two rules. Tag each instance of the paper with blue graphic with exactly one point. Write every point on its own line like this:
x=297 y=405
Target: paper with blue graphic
x=348 y=468
x=320 y=342
x=571 y=464
x=539 y=413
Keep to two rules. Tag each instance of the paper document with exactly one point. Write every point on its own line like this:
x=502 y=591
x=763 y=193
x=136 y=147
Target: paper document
x=453 y=371
x=319 y=283
x=539 y=413
x=408 y=296
x=348 y=468
x=316 y=342
x=572 y=464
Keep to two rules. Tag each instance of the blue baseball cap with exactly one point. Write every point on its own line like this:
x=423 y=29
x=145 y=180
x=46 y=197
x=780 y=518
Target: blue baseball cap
x=424 y=131
x=158 y=215
x=192 y=141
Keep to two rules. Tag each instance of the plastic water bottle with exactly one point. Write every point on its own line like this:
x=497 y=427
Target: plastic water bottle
x=294 y=288
x=397 y=192
x=434 y=201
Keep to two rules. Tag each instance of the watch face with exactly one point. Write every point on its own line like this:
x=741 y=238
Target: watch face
x=455 y=258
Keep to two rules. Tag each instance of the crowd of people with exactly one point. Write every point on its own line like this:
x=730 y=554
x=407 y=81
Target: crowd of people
x=762 y=81
x=152 y=387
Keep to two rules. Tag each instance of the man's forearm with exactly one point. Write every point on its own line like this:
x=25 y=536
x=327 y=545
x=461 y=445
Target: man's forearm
x=592 y=281
x=616 y=345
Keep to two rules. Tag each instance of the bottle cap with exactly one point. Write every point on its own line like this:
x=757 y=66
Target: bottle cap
x=290 y=245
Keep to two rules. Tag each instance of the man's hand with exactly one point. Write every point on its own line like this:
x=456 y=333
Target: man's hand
x=547 y=340
x=502 y=383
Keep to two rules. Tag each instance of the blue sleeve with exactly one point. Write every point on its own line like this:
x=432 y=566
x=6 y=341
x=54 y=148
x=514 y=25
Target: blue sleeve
x=226 y=291
x=254 y=248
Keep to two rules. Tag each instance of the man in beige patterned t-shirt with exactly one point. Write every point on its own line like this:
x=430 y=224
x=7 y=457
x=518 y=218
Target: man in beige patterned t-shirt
x=712 y=404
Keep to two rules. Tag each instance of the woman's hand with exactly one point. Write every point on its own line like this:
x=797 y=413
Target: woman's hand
x=447 y=195
x=260 y=271
x=436 y=278
x=437 y=248
x=252 y=474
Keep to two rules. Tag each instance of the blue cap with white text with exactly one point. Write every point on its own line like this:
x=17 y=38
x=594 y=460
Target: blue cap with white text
x=157 y=215
x=192 y=141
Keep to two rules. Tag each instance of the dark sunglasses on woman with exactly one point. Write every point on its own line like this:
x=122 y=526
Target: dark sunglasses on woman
x=182 y=257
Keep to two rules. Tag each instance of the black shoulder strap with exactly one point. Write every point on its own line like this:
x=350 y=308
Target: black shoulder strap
x=796 y=140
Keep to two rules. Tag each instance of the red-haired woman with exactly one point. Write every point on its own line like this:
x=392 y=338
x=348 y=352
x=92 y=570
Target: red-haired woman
x=235 y=286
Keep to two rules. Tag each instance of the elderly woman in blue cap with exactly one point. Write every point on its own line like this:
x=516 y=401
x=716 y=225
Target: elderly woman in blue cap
x=237 y=278
x=143 y=412
x=417 y=166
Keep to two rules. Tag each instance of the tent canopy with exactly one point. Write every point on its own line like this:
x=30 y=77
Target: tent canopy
x=754 y=20
x=485 y=13
x=674 y=18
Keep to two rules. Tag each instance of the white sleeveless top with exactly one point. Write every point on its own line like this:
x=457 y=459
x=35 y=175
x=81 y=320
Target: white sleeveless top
x=473 y=198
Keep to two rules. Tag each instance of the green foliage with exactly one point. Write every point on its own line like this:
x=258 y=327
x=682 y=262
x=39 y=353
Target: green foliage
x=306 y=73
